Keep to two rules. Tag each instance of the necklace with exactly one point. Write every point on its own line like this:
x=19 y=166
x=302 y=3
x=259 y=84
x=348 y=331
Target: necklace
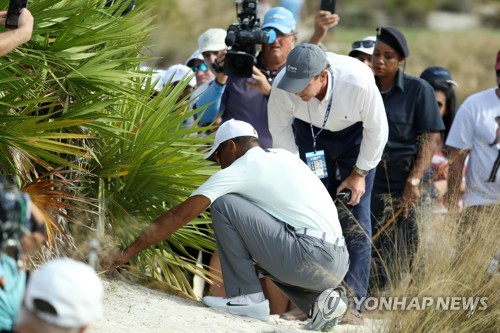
x=385 y=91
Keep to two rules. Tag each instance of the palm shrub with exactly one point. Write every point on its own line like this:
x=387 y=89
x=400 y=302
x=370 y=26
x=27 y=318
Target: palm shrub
x=82 y=134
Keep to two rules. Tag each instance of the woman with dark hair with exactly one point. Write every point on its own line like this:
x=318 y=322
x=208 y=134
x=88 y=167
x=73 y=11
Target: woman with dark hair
x=447 y=102
x=444 y=89
x=414 y=133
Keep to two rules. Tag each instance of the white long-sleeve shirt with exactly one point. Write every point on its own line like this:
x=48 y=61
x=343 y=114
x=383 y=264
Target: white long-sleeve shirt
x=355 y=98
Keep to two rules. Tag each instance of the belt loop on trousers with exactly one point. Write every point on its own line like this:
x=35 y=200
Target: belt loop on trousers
x=321 y=235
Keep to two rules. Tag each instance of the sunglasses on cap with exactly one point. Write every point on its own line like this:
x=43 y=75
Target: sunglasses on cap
x=203 y=67
x=363 y=43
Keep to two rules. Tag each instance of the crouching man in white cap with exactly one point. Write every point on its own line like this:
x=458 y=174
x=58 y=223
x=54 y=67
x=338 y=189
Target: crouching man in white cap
x=270 y=214
x=63 y=296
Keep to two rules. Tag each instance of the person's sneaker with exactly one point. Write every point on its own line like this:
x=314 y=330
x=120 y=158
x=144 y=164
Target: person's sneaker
x=326 y=311
x=239 y=305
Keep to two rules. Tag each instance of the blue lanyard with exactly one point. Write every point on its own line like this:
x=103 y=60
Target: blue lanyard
x=314 y=136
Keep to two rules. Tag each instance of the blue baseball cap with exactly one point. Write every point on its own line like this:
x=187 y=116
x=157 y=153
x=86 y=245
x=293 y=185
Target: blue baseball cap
x=437 y=73
x=279 y=18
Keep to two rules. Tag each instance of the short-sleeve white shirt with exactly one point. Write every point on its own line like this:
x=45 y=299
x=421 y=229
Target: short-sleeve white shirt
x=474 y=128
x=281 y=184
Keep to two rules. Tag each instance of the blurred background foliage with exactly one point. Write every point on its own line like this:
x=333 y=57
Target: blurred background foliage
x=467 y=49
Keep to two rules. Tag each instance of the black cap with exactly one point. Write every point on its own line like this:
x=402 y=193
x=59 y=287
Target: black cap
x=394 y=38
x=434 y=73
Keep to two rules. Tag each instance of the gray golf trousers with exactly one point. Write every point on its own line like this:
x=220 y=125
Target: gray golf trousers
x=250 y=239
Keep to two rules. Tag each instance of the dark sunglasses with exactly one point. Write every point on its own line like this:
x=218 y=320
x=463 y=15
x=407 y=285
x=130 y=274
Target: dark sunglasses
x=201 y=67
x=219 y=149
x=363 y=43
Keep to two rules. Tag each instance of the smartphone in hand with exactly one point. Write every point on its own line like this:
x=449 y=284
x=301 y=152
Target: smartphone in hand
x=328 y=5
x=15 y=6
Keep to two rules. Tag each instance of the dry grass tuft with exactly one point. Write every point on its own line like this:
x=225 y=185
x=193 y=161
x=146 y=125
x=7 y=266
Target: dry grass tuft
x=452 y=261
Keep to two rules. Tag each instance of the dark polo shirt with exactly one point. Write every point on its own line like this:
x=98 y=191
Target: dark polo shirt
x=248 y=104
x=412 y=110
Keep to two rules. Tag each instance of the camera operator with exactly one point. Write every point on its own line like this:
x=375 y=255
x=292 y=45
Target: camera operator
x=246 y=98
x=11 y=39
x=21 y=230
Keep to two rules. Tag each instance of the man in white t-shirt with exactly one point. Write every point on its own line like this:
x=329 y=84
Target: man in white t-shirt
x=475 y=132
x=271 y=215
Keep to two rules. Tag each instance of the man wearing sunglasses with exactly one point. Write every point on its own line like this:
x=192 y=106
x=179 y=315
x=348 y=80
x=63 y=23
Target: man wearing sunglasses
x=199 y=67
x=270 y=214
x=363 y=50
x=246 y=98
x=203 y=74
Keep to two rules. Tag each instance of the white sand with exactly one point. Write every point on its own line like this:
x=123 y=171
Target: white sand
x=134 y=308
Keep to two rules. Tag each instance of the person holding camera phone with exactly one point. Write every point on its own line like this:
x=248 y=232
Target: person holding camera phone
x=327 y=108
x=246 y=98
x=11 y=39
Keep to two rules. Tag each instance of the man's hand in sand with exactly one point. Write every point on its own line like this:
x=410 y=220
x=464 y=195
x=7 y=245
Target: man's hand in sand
x=114 y=259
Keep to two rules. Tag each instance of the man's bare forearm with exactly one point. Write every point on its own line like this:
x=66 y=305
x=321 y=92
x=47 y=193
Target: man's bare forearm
x=457 y=161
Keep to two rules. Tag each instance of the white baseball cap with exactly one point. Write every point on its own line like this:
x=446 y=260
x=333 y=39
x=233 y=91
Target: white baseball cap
x=212 y=40
x=179 y=72
x=65 y=293
x=195 y=56
x=229 y=130
x=156 y=77
x=366 y=45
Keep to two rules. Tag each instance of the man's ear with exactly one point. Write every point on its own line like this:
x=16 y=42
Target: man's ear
x=232 y=146
x=324 y=75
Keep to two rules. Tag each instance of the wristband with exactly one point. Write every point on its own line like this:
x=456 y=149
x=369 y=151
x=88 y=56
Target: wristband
x=218 y=83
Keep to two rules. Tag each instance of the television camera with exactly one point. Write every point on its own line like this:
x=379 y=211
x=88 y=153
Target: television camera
x=242 y=39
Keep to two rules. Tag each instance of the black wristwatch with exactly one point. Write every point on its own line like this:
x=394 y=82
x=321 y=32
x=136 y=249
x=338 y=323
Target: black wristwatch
x=360 y=172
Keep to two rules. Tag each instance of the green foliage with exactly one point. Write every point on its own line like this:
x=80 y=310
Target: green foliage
x=79 y=128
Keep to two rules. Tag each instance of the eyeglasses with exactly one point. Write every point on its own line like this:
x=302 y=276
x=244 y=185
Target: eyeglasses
x=281 y=35
x=363 y=43
x=202 y=67
x=440 y=104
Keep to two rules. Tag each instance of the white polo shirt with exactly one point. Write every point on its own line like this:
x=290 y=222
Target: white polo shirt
x=279 y=183
x=355 y=98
